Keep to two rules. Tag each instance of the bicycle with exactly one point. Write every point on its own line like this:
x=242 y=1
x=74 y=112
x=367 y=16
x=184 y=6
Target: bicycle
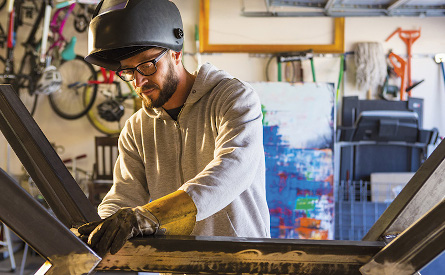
x=113 y=104
x=48 y=71
x=67 y=102
x=7 y=62
x=85 y=11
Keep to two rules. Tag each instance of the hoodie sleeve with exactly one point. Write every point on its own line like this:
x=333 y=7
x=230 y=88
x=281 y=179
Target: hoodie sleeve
x=238 y=153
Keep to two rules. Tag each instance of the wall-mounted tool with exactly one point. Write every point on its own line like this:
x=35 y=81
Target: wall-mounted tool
x=295 y=56
x=400 y=68
x=388 y=91
x=409 y=37
x=399 y=65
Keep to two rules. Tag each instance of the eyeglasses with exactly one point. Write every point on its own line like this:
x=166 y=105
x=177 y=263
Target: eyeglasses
x=145 y=68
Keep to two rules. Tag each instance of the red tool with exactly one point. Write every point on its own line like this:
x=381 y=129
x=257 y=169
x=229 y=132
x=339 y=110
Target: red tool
x=400 y=70
x=409 y=37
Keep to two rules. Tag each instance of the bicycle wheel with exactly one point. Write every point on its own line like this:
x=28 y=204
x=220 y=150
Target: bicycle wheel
x=81 y=23
x=128 y=99
x=25 y=82
x=70 y=102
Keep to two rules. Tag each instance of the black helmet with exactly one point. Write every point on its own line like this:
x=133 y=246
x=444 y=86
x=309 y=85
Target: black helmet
x=120 y=29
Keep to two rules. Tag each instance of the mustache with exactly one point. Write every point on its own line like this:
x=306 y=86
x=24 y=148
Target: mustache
x=146 y=86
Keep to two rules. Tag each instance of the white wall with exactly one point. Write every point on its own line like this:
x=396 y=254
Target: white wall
x=77 y=136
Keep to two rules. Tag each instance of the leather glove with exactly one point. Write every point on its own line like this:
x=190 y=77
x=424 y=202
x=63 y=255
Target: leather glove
x=112 y=233
x=176 y=212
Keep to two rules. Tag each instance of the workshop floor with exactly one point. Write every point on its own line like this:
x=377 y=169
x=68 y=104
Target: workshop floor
x=33 y=263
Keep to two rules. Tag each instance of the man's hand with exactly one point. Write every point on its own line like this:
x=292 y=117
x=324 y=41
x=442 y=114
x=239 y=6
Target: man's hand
x=176 y=212
x=112 y=232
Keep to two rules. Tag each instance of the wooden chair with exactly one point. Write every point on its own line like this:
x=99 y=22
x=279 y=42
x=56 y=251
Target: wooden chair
x=106 y=154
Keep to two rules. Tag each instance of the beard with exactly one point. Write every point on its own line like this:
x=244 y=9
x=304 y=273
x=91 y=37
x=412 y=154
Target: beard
x=169 y=88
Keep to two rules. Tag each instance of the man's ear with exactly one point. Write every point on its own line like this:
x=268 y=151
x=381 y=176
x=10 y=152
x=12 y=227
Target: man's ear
x=177 y=56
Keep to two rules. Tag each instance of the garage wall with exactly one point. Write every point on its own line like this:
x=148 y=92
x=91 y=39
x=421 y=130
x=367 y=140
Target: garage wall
x=77 y=136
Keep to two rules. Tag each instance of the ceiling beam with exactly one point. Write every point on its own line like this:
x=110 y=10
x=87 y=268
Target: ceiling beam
x=328 y=7
x=396 y=4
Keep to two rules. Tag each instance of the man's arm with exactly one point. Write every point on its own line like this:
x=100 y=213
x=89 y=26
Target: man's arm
x=238 y=155
x=174 y=214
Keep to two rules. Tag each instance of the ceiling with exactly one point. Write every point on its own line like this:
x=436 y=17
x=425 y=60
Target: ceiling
x=345 y=8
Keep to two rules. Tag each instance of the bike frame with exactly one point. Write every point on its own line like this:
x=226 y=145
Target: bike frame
x=12 y=29
x=108 y=79
x=57 y=27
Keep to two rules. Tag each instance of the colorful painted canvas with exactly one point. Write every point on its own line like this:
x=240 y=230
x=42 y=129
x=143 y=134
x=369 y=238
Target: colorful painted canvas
x=298 y=121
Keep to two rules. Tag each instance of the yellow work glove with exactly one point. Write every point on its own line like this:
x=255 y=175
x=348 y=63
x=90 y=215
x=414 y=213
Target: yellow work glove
x=174 y=214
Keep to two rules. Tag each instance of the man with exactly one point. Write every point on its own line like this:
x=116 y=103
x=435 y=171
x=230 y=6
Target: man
x=191 y=161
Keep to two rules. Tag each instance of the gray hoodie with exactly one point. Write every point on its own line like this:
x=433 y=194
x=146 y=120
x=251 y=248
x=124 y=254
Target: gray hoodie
x=214 y=152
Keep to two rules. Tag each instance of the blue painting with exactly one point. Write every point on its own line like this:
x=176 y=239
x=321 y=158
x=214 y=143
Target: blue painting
x=298 y=127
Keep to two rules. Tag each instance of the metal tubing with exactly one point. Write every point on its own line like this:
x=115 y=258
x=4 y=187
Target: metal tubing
x=43 y=232
x=225 y=255
x=421 y=193
x=414 y=248
x=41 y=161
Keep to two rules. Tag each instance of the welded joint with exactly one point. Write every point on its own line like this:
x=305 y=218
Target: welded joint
x=71 y=264
x=375 y=268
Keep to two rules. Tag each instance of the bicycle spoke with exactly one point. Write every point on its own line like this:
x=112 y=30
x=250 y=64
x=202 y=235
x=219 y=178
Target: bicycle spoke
x=127 y=99
x=26 y=81
x=69 y=102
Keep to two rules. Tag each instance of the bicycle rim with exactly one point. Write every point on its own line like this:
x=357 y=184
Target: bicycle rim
x=131 y=105
x=26 y=81
x=70 y=102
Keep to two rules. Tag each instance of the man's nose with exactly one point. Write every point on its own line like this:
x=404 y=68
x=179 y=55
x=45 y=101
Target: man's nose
x=139 y=79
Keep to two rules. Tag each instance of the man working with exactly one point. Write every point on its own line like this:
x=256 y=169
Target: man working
x=191 y=161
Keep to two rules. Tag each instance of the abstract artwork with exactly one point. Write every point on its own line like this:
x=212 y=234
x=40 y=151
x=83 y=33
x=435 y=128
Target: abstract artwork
x=298 y=127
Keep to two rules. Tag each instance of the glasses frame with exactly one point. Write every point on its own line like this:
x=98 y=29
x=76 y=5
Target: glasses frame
x=153 y=61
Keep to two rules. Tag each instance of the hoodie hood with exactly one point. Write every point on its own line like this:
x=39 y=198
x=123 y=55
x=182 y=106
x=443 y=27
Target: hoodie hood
x=207 y=78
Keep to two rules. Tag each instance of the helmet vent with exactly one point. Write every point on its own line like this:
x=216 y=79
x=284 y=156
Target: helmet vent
x=178 y=33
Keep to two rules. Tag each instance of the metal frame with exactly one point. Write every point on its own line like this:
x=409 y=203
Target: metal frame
x=225 y=255
x=65 y=253
x=414 y=248
x=43 y=232
x=340 y=8
x=421 y=193
x=41 y=161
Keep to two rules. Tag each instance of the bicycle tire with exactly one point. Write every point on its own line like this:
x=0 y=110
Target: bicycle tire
x=70 y=102
x=131 y=105
x=22 y=82
x=26 y=80
x=81 y=23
